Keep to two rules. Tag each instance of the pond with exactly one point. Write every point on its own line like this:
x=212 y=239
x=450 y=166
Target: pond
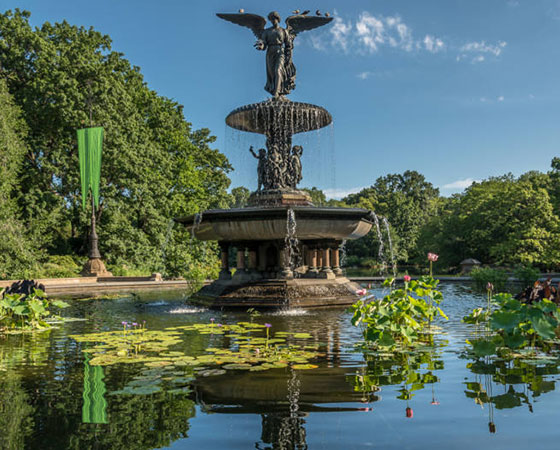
x=52 y=398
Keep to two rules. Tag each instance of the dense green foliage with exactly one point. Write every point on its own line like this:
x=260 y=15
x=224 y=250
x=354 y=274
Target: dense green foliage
x=154 y=168
x=504 y=221
x=501 y=220
x=497 y=277
x=399 y=318
x=407 y=200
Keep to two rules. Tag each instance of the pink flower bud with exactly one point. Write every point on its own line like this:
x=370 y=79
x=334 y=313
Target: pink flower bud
x=406 y=278
x=432 y=257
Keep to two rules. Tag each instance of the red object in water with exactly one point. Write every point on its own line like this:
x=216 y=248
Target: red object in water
x=409 y=412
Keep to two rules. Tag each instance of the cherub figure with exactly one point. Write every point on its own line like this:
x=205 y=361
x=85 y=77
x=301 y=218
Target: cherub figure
x=261 y=166
x=295 y=165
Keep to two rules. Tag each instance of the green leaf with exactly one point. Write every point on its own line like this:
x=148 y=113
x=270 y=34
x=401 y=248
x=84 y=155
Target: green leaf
x=543 y=327
x=505 y=320
x=483 y=347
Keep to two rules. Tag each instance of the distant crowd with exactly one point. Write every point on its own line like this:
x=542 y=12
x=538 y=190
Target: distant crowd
x=540 y=290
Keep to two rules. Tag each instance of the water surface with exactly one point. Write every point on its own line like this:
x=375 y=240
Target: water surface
x=51 y=399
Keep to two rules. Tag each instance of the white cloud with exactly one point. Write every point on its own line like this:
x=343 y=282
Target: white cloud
x=364 y=75
x=477 y=51
x=341 y=33
x=501 y=98
x=460 y=184
x=483 y=47
x=369 y=33
x=433 y=44
x=341 y=193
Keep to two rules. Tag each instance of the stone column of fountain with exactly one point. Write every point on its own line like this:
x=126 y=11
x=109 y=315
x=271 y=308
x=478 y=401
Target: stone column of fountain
x=293 y=247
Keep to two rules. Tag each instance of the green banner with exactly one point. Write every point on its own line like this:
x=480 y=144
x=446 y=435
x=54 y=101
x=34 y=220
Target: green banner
x=90 y=145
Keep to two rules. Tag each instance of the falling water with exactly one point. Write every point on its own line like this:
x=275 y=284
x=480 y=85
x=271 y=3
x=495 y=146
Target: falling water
x=393 y=264
x=342 y=262
x=292 y=242
x=196 y=223
x=380 y=251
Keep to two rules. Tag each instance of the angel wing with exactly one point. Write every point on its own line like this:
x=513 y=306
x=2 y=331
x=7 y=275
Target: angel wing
x=253 y=21
x=297 y=24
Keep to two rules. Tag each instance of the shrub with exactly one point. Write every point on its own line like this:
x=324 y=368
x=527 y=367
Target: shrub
x=527 y=275
x=484 y=275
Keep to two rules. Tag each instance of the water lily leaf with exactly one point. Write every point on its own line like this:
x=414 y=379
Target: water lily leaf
x=211 y=372
x=258 y=368
x=304 y=366
x=183 y=390
x=240 y=366
x=275 y=365
x=302 y=336
x=157 y=363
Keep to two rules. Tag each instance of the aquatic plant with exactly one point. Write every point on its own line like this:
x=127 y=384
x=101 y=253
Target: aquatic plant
x=513 y=326
x=245 y=348
x=401 y=317
x=27 y=312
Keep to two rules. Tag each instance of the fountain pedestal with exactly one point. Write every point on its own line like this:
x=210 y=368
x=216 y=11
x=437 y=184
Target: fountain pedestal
x=274 y=268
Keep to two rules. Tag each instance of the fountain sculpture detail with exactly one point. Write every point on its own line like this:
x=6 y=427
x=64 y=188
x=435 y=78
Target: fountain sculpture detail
x=287 y=250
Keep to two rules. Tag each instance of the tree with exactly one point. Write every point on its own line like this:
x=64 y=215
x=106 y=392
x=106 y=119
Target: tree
x=154 y=166
x=239 y=197
x=407 y=200
x=501 y=220
x=17 y=249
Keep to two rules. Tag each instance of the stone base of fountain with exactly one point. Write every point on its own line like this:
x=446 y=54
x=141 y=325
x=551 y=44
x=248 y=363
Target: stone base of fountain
x=286 y=256
x=278 y=293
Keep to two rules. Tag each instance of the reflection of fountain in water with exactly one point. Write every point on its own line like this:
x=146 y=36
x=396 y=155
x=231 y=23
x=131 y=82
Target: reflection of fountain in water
x=286 y=432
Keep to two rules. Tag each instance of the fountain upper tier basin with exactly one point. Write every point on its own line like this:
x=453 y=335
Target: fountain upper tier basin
x=254 y=224
x=275 y=115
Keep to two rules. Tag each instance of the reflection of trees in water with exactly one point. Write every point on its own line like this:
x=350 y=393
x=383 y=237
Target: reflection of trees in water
x=16 y=423
x=504 y=384
x=41 y=402
x=285 y=431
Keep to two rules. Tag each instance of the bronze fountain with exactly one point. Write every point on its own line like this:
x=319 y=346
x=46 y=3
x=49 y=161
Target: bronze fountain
x=287 y=249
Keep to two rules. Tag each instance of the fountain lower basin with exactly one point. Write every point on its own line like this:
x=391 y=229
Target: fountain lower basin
x=254 y=223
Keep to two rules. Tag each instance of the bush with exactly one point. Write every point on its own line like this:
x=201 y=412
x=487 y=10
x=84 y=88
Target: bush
x=527 y=275
x=59 y=266
x=484 y=275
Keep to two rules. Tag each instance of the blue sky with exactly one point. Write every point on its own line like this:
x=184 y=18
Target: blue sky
x=459 y=90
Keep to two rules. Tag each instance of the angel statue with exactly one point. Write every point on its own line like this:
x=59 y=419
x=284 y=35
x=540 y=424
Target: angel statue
x=278 y=43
